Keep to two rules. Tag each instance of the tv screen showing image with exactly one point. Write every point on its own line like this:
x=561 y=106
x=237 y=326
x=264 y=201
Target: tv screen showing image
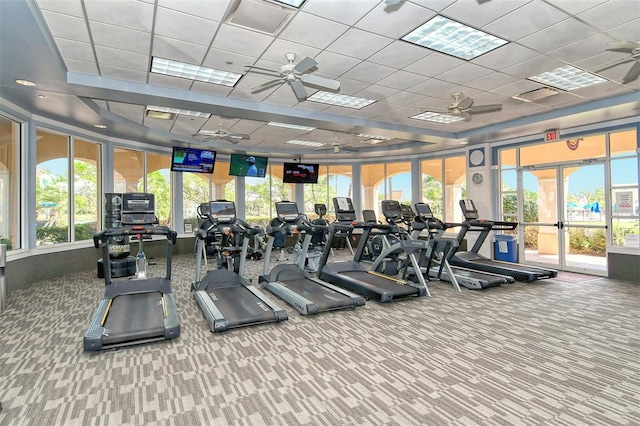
x=300 y=173
x=192 y=160
x=248 y=165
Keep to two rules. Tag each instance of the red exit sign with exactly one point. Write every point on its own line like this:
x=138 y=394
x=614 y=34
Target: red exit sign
x=552 y=135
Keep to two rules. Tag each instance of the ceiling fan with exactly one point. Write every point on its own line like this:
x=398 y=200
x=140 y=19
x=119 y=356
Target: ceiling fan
x=296 y=76
x=220 y=133
x=462 y=106
x=336 y=147
x=633 y=49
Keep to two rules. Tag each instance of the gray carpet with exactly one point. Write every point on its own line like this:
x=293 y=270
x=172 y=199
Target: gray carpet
x=523 y=354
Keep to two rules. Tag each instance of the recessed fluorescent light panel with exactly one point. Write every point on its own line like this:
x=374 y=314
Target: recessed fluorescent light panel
x=339 y=100
x=194 y=72
x=436 y=117
x=290 y=126
x=178 y=111
x=292 y=3
x=453 y=38
x=305 y=143
x=568 y=78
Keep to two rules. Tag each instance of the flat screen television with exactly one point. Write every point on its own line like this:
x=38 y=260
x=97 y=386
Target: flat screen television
x=248 y=165
x=192 y=160
x=300 y=173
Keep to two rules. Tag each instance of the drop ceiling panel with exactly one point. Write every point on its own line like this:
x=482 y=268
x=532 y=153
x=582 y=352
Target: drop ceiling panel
x=178 y=50
x=124 y=74
x=157 y=124
x=172 y=24
x=134 y=15
x=120 y=38
x=629 y=31
x=401 y=80
x=433 y=64
x=483 y=14
x=81 y=67
x=359 y=44
x=533 y=66
x=604 y=16
x=431 y=86
x=399 y=54
x=227 y=61
x=70 y=49
x=335 y=64
x=369 y=72
x=396 y=24
x=491 y=81
x=463 y=73
x=67 y=27
x=211 y=89
x=215 y=9
x=122 y=59
x=279 y=48
x=346 y=11
x=574 y=7
x=312 y=30
x=584 y=48
x=505 y=56
x=169 y=81
x=73 y=8
x=528 y=19
x=234 y=39
x=376 y=92
x=563 y=33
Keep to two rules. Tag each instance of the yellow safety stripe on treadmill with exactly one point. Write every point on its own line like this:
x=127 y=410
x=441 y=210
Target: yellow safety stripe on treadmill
x=164 y=306
x=106 y=312
x=377 y=274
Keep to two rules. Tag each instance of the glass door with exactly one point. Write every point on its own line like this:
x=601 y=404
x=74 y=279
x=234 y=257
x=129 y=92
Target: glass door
x=564 y=221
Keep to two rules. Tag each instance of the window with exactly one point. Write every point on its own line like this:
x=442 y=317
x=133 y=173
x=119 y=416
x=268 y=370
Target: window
x=10 y=183
x=86 y=189
x=128 y=170
x=261 y=195
x=455 y=189
x=158 y=182
x=625 y=214
x=333 y=181
x=432 y=185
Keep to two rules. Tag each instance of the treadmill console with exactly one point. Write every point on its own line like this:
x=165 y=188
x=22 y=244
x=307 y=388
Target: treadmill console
x=369 y=216
x=424 y=211
x=287 y=211
x=222 y=211
x=469 y=209
x=138 y=209
x=392 y=210
x=320 y=209
x=345 y=212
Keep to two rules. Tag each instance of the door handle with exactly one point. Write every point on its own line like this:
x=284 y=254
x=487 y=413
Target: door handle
x=559 y=224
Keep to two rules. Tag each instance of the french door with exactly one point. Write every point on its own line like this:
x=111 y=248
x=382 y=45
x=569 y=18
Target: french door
x=567 y=211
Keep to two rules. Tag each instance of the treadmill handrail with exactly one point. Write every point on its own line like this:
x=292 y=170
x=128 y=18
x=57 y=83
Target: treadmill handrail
x=102 y=236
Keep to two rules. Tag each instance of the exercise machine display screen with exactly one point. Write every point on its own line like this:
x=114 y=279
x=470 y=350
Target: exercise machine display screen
x=287 y=211
x=424 y=210
x=138 y=208
x=345 y=212
x=391 y=209
x=222 y=211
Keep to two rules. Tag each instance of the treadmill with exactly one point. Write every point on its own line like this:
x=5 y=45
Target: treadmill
x=307 y=294
x=473 y=280
x=228 y=299
x=355 y=277
x=141 y=309
x=473 y=260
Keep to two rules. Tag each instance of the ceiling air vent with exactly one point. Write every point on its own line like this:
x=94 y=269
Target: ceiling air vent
x=534 y=95
x=259 y=16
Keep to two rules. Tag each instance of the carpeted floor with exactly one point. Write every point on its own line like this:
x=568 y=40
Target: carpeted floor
x=550 y=352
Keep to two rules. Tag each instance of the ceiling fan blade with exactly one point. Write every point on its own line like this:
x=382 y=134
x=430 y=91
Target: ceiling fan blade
x=623 y=46
x=255 y=67
x=238 y=136
x=266 y=85
x=465 y=103
x=633 y=73
x=299 y=90
x=346 y=148
x=612 y=64
x=322 y=82
x=466 y=116
x=231 y=139
x=484 y=108
x=305 y=65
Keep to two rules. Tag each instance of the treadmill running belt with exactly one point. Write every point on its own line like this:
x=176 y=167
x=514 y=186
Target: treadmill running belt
x=324 y=297
x=135 y=317
x=240 y=307
x=399 y=290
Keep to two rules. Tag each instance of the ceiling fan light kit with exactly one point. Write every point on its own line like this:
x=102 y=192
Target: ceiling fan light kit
x=297 y=76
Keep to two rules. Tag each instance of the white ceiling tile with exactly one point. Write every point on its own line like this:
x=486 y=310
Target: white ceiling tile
x=335 y=64
x=279 y=48
x=129 y=111
x=213 y=9
x=67 y=27
x=369 y=72
x=396 y=24
x=611 y=14
x=477 y=14
x=490 y=81
x=122 y=59
x=405 y=98
x=125 y=74
x=359 y=44
x=463 y=73
x=376 y=92
x=562 y=33
x=70 y=49
x=178 y=50
x=573 y=7
x=345 y=11
x=431 y=86
x=135 y=15
x=73 y=8
x=399 y=54
x=516 y=88
x=434 y=64
x=504 y=56
x=240 y=40
x=581 y=49
x=227 y=61
x=401 y=80
x=528 y=19
x=170 y=81
x=158 y=124
x=533 y=66
x=629 y=31
x=120 y=38
x=435 y=5
x=312 y=30
x=81 y=67
x=172 y=24
x=351 y=87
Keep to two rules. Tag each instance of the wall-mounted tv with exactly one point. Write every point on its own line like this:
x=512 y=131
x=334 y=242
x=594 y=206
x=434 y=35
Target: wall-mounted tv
x=300 y=173
x=248 y=165
x=192 y=160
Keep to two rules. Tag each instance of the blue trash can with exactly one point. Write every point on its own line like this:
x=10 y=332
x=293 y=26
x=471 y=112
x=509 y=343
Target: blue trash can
x=506 y=248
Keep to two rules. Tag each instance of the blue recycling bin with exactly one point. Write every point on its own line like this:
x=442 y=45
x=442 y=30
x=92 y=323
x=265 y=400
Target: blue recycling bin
x=506 y=248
